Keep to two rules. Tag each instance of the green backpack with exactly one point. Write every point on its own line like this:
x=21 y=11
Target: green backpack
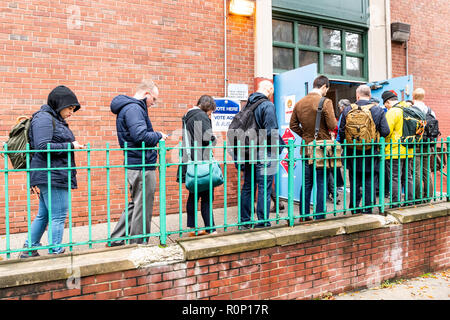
x=414 y=122
x=18 y=139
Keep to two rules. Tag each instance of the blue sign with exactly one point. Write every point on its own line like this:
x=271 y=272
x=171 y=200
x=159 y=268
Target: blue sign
x=226 y=109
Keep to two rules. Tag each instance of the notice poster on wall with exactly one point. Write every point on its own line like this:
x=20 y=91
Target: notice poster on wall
x=289 y=104
x=226 y=109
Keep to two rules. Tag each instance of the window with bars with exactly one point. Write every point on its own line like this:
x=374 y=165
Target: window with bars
x=340 y=53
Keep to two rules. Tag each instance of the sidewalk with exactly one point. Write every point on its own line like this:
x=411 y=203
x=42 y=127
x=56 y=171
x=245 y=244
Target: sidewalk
x=430 y=286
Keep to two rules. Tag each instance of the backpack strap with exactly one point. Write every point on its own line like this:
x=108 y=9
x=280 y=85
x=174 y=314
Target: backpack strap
x=255 y=105
x=318 y=116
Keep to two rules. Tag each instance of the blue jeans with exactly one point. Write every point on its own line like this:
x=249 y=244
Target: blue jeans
x=320 y=183
x=59 y=203
x=246 y=199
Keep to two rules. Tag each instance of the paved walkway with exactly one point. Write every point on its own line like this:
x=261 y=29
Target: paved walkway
x=430 y=286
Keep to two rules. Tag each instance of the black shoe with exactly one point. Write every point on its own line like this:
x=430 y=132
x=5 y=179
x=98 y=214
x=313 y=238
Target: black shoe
x=115 y=244
x=246 y=227
x=262 y=225
x=305 y=219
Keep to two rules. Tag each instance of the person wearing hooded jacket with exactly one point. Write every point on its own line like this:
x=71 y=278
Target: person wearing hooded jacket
x=50 y=129
x=263 y=171
x=197 y=126
x=134 y=128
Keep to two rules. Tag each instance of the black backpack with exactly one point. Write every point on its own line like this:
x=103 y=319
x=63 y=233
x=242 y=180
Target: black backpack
x=432 y=128
x=244 y=128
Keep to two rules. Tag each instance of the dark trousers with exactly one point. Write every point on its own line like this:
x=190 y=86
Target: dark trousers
x=308 y=189
x=401 y=179
x=208 y=219
x=259 y=181
x=356 y=184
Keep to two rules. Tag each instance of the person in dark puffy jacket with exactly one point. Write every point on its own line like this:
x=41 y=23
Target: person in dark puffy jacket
x=263 y=171
x=49 y=130
x=134 y=128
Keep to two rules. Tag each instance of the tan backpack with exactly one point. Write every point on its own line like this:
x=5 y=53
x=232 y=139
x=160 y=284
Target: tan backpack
x=360 y=126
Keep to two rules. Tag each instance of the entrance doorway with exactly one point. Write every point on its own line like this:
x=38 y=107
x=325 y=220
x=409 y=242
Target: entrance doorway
x=342 y=90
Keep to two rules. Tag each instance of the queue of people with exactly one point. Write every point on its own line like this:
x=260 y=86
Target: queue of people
x=313 y=119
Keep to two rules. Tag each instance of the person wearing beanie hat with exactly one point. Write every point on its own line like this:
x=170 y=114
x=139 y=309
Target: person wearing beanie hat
x=49 y=128
x=398 y=171
x=389 y=99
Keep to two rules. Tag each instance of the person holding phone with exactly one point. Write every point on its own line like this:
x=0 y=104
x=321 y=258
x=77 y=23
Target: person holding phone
x=49 y=127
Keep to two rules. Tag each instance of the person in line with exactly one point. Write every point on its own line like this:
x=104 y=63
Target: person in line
x=303 y=122
x=360 y=170
x=134 y=127
x=397 y=171
x=49 y=127
x=424 y=161
x=198 y=126
x=266 y=120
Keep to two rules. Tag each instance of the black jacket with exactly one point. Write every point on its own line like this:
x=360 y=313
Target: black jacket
x=197 y=126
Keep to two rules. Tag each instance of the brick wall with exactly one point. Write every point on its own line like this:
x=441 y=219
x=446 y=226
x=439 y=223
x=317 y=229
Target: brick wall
x=427 y=52
x=301 y=271
x=104 y=50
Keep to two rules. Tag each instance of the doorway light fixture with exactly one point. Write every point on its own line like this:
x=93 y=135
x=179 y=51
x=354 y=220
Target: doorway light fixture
x=242 y=7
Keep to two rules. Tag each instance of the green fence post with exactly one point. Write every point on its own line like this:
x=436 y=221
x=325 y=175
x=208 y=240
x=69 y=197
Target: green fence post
x=448 y=169
x=291 y=182
x=382 y=174
x=8 y=253
x=162 y=192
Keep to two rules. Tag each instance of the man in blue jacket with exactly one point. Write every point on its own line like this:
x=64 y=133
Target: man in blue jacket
x=134 y=128
x=360 y=170
x=263 y=171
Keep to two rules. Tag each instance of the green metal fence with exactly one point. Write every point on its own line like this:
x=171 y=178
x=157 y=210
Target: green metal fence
x=427 y=168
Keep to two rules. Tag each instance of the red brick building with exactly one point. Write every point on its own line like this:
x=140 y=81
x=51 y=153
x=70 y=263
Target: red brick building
x=191 y=48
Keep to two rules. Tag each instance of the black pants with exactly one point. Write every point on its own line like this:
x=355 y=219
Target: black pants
x=208 y=219
x=356 y=184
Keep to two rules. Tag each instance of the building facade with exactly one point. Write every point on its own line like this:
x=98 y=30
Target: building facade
x=189 y=48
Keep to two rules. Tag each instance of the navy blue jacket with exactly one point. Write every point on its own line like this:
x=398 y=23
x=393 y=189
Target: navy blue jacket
x=382 y=126
x=134 y=127
x=48 y=127
x=266 y=118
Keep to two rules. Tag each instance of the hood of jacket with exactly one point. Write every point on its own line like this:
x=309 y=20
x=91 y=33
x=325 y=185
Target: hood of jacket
x=254 y=97
x=191 y=113
x=121 y=101
x=62 y=97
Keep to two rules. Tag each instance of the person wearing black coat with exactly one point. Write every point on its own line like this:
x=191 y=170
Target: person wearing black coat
x=360 y=170
x=49 y=130
x=197 y=126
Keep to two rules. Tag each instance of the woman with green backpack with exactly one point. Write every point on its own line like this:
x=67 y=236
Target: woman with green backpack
x=49 y=127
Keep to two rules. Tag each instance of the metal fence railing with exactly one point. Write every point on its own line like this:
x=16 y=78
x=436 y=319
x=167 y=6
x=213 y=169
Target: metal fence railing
x=377 y=166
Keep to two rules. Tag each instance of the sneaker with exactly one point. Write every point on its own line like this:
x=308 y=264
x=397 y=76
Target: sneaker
x=26 y=254
x=60 y=252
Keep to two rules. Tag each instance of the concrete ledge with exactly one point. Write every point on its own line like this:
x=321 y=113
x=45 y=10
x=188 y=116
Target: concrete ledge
x=35 y=270
x=423 y=212
x=282 y=236
x=197 y=248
